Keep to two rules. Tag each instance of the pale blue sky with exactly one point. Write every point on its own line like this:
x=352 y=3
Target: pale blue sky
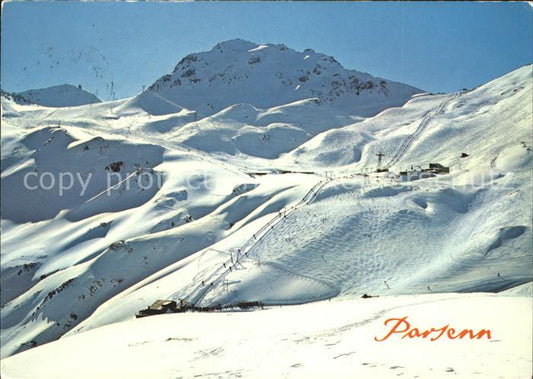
x=434 y=46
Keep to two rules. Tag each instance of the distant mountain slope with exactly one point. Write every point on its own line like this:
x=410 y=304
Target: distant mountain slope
x=432 y=127
x=265 y=76
x=64 y=95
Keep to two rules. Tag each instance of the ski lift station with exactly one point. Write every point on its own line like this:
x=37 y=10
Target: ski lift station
x=416 y=173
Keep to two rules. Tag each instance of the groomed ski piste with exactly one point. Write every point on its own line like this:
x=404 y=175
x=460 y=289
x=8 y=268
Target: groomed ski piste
x=273 y=203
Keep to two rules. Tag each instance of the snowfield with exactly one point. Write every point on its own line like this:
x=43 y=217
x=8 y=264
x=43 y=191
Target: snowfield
x=269 y=196
x=337 y=338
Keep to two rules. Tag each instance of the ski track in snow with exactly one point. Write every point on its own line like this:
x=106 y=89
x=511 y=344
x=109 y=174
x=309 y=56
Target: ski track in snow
x=246 y=251
x=402 y=150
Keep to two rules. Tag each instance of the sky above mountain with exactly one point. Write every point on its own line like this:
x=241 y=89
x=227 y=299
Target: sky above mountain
x=114 y=49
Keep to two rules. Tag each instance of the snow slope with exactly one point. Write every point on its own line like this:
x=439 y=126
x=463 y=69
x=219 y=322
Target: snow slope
x=265 y=133
x=277 y=342
x=276 y=202
x=434 y=128
x=64 y=95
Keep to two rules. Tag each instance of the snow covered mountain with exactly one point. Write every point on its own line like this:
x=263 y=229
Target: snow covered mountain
x=276 y=201
x=64 y=95
x=266 y=76
x=257 y=100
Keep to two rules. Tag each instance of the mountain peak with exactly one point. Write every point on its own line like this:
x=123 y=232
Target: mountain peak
x=268 y=75
x=236 y=45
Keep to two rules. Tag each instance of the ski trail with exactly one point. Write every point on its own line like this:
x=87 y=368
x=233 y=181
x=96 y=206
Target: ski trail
x=114 y=186
x=404 y=147
x=288 y=272
x=218 y=276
